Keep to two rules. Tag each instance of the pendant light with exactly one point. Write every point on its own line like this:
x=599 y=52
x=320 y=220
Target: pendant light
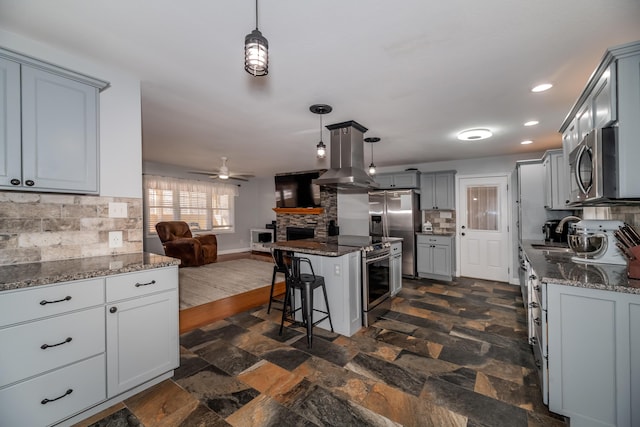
x=372 y=167
x=256 y=52
x=321 y=149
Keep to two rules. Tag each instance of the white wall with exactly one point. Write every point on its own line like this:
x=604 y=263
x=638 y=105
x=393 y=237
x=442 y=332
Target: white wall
x=120 y=117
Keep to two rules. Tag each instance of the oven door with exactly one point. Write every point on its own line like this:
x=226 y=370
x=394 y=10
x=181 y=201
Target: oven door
x=376 y=287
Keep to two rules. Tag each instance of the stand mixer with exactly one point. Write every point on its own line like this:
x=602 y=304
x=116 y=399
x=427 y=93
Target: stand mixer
x=593 y=241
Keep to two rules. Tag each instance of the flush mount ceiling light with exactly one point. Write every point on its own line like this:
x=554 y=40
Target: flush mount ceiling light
x=474 y=134
x=527 y=142
x=531 y=123
x=542 y=87
x=321 y=109
x=372 y=167
x=256 y=52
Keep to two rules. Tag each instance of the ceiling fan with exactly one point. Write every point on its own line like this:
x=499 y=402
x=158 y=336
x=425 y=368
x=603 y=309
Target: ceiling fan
x=224 y=173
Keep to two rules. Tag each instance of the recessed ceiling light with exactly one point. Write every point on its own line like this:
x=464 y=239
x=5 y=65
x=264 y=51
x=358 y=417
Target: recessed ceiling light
x=527 y=142
x=542 y=87
x=474 y=134
x=531 y=123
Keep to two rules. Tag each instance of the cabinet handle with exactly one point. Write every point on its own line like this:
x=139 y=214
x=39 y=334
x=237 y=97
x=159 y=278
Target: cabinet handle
x=145 y=284
x=113 y=309
x=46 y=346
x=533 y=304
x=532 y=277
x=15 y=181
x=538 y=364
x=66 y=393
x=537 y=321
x=537 y=288
x=30 y=183
x=534 y=340
x=45 y=302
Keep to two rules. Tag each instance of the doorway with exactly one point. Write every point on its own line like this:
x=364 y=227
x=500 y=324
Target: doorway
x=483 y=227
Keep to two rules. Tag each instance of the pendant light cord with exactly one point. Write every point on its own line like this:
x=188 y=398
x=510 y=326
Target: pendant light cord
x=256 y=14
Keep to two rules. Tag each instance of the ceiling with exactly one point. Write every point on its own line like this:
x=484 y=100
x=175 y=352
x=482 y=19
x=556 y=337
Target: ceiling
x=415 y=72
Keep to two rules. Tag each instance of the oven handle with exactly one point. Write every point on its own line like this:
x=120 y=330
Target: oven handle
x=378 y=258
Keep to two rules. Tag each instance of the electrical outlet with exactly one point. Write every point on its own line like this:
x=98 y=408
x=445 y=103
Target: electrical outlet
x=115 y=239
x=117 y=210
x=336 y=269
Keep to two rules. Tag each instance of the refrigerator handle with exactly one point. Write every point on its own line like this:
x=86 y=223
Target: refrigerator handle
x=385 y=221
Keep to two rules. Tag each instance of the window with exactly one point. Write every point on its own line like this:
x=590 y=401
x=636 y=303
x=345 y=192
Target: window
x=202 y=205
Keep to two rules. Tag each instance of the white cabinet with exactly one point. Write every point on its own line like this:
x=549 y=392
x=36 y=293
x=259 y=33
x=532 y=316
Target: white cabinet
x=73 y=346
x=396 y=267
x=53 y=352
x=51 y=114
x=406 y=179
x=437 y=190
x=142 y=327
x=594 y=355
x=435 y=256
x=259 y=238
x=556 y=188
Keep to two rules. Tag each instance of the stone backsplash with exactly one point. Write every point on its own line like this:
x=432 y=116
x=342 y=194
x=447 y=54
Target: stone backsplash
x=629 y=214
x=46 y=227
x=320 y=223
x=443 y=222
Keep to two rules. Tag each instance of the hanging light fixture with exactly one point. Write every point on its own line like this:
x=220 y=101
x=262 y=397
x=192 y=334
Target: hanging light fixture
x=372 y=167
x=256 y=52
x=321 y=149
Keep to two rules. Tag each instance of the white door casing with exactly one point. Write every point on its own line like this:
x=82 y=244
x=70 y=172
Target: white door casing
x=483 y=227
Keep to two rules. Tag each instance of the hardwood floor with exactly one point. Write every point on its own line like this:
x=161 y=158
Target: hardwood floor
x=195 y=317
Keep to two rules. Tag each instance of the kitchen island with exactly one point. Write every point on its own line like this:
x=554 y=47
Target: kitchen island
x=80 y=335
x=584 y=327
x=340 y=265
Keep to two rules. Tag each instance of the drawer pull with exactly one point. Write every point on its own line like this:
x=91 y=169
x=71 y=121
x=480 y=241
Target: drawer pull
x=537 y=321
x=533 y=304
x=537 y=288
x=538 y=364
x=46 y=346
x=534 y=340
x=145 y=284
x=66 y=393
x=45 y=302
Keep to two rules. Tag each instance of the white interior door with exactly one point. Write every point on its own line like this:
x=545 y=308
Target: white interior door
x=483 y=231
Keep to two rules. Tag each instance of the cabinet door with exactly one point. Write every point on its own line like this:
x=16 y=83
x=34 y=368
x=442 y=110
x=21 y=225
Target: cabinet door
x=10 y=137
x=444 y=191
x=385 y=181
x=142 y=340
x=548 y=183
x=441 y=260
x=605 y=109
x=406 y=180
x=59 y=133
x=427 y=191
x=560 y=181
x=584 y=120
x=425 y=258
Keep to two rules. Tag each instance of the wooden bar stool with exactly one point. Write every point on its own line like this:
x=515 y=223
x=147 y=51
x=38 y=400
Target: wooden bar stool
x=306 y=283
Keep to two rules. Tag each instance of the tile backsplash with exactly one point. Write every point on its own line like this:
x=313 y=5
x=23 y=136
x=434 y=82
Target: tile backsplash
x=443 y=222
x=46 y=227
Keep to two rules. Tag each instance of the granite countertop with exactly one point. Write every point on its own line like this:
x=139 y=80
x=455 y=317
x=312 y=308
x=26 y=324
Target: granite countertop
x=324 y=247
x=558 y=267
x=17 y=276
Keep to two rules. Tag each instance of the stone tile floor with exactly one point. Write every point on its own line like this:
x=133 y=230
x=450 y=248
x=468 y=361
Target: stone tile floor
x=447 y=354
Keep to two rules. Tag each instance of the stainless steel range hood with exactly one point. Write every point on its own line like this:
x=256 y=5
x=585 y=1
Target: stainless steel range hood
x=347 y=158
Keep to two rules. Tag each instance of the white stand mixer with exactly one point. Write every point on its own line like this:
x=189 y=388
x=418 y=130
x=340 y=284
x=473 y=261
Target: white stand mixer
x=593 y=241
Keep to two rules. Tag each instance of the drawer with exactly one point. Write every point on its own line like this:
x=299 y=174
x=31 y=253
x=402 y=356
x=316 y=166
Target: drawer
x=146 y=282
x=434 y=240
x=76 y=387
x=48 y=300
x=79 y=335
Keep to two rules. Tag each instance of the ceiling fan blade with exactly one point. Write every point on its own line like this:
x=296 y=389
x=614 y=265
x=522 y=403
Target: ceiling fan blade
x=205 y=172
x=238 y=178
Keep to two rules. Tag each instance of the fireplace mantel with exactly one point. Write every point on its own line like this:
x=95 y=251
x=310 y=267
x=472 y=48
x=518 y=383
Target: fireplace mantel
x=299 y=211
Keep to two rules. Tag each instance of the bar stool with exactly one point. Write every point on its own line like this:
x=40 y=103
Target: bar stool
x=306 y=283
x=278 y=267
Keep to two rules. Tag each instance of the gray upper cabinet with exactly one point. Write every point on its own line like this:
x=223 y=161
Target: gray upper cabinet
x=406 y=179
x=51 y=117
x=437 y=190
x=556 y=188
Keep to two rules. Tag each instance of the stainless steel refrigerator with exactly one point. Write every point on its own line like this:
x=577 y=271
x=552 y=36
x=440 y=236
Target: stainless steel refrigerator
x=396 y=213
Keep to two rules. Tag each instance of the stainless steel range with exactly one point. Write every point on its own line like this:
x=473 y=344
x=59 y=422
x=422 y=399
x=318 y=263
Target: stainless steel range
x=376 y=277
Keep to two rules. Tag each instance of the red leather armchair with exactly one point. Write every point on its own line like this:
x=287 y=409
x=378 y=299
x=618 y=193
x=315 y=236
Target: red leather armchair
x=178 y=242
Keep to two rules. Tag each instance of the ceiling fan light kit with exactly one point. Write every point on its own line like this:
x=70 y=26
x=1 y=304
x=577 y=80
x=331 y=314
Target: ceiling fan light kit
x=256 y=52
x=372 y=166
x=474 y=134
x=223 y=173
x=321 y=109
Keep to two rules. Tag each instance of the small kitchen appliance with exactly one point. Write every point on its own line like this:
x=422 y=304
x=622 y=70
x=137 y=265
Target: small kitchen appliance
x=427 y=227
x=551 y=235
x=593 y=241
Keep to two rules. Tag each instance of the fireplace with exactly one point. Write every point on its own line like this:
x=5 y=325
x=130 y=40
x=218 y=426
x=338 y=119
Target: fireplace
x=297 y=233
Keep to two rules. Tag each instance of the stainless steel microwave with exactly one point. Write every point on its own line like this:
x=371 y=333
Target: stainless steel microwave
x=593 y=173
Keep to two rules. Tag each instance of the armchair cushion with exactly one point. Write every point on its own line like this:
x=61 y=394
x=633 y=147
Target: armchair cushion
x=178 y=242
